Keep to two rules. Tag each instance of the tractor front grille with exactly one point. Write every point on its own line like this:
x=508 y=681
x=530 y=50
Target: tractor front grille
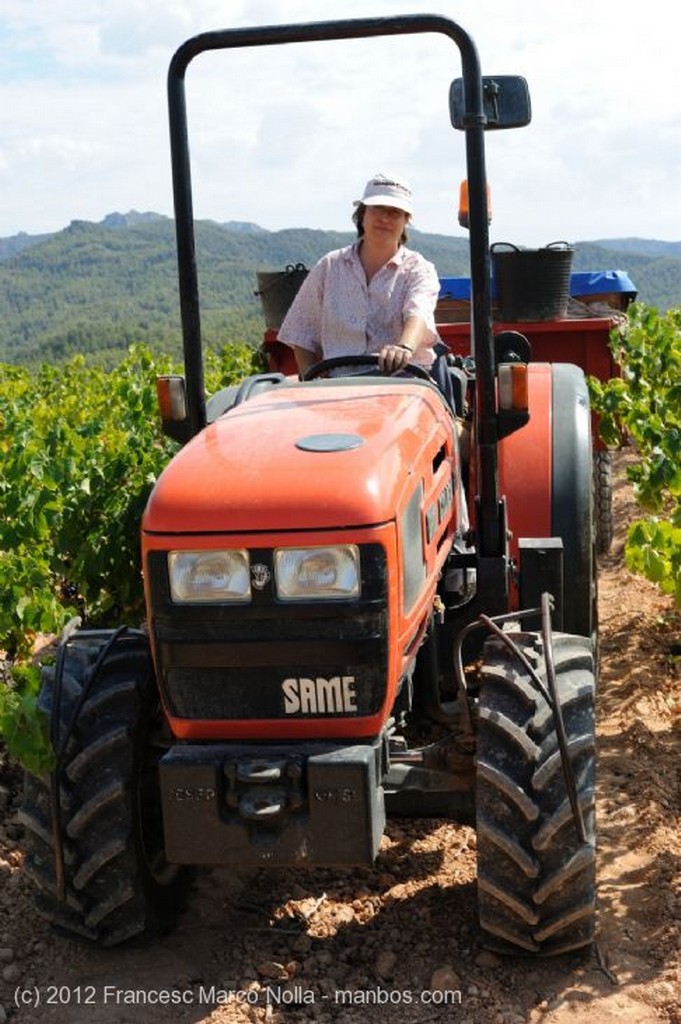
x=219 y=662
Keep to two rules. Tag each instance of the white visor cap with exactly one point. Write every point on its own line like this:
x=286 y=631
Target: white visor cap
x=386 y=190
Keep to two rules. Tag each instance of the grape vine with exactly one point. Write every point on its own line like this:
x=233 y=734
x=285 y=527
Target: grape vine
x=643 y=407
x=80 y=450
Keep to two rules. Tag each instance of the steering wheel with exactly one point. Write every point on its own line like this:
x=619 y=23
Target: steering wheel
x=369 y=362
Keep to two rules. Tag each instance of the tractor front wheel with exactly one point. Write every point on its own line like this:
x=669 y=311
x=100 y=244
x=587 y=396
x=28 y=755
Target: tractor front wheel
x=536 y=873
x=93 y=830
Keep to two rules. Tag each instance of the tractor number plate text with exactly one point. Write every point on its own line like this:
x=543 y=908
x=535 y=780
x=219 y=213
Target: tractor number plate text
x=193 y=793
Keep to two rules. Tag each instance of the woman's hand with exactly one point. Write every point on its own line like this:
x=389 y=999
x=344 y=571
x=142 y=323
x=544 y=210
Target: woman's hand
x=394 y=357
x=401 y=352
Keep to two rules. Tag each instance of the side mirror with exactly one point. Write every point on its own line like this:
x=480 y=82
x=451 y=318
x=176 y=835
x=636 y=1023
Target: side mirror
x=506 y=101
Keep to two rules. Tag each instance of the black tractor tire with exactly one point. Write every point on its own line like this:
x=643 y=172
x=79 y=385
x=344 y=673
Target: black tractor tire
x=536 y=876
x=572 y=512
x=602 y=487
x=106 y=827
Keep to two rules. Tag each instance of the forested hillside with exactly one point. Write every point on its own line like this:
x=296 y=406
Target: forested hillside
x=97 y=288
x=655 y=268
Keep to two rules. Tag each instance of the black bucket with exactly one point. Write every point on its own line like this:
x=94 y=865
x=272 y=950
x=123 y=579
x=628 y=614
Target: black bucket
x=532 y=284
x=277 y=291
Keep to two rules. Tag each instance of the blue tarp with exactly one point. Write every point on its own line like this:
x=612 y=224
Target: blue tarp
x=601 y=282
x=583 y=282
x=455 y=288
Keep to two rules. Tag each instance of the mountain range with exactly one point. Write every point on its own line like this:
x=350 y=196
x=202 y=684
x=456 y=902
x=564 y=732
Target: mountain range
x=95 y=288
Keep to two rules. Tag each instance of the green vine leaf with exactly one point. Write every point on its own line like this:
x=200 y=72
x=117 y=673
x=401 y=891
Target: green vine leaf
x=643 y=406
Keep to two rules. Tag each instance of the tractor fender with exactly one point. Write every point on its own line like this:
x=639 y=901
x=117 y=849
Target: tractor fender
x=526 y=463
x=545 y=476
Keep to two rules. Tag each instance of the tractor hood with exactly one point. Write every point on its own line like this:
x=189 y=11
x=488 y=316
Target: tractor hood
x=302 y=456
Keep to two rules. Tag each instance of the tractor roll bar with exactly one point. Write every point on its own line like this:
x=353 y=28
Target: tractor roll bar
x=475 y=120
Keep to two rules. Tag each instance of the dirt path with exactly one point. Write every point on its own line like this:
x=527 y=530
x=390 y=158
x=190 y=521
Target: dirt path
x=398 y=943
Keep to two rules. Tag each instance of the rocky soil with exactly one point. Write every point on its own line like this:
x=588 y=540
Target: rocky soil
x=399 y=942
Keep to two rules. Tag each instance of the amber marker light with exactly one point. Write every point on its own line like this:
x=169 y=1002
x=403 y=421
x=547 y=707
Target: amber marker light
x=513 y=387
x=172 y=402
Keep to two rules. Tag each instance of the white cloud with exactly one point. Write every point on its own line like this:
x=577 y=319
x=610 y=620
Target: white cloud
x=287 y=135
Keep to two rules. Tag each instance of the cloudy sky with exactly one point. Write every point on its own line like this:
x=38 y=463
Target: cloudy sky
x=287 y=136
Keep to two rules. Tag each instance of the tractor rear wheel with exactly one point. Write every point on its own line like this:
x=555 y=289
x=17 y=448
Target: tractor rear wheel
x=536 y=875
x=603 y=514
x=103 y=798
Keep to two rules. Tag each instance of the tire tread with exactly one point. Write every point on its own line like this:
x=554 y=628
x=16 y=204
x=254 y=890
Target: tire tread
x=536 y=879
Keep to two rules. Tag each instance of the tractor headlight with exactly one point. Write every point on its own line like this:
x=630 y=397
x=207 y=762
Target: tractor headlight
x=309 y=574
x=209 y=576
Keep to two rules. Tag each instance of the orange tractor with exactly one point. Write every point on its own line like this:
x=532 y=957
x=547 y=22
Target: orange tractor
x=347 y=618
